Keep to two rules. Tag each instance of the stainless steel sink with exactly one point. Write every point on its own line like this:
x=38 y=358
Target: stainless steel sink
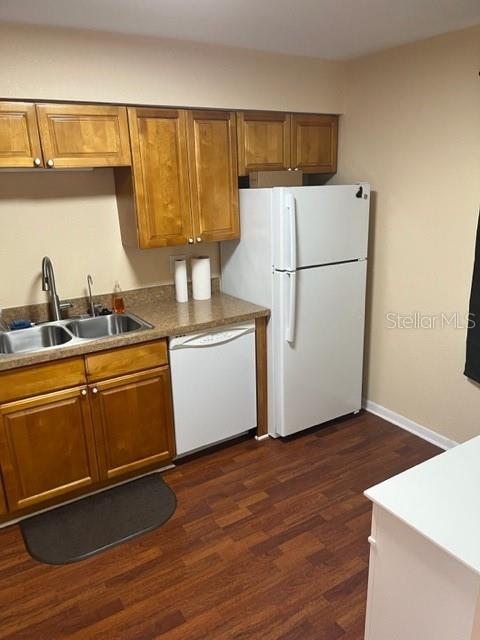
x=102 y=326
x=68 y=332
x=33 y=339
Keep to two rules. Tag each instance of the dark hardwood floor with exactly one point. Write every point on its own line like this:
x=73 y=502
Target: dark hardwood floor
x=269 y=541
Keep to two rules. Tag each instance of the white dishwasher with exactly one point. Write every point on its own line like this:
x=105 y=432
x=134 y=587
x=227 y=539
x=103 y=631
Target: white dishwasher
x=213 y=385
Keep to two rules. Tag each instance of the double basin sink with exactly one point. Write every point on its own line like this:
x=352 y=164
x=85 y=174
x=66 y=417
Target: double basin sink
x=68 y=332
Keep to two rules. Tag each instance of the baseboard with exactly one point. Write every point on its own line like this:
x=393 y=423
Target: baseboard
x=409 y=425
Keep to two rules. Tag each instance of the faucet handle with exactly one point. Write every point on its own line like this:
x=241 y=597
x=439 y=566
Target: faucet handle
x=97 y=307
x=66 y=304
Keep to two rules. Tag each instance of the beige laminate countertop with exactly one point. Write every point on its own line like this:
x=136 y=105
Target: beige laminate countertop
x=168 y=318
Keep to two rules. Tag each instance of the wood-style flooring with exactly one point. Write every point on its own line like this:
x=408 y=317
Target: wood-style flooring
x=269 y=541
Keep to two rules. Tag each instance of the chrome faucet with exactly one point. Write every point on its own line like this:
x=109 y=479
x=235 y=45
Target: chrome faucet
x=48 y=284
x=93 y=307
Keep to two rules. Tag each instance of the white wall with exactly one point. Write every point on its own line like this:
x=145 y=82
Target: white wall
x=72 y=217
x=412 y=129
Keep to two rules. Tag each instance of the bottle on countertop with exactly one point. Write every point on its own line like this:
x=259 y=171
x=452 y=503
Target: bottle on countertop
x=118 y=305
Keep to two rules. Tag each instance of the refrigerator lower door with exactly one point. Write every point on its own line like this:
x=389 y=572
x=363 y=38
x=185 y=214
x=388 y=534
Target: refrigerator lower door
x=318 y=370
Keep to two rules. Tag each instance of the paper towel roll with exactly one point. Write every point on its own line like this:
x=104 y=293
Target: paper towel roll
x=181 y=288
x=201 y=278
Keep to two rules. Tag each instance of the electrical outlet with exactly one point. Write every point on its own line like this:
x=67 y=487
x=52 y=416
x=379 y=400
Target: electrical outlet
x=172 y=261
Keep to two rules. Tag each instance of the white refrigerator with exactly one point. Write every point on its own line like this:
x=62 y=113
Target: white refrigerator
x=303 y=254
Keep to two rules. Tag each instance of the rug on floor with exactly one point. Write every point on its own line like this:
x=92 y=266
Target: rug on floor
x=80 y=529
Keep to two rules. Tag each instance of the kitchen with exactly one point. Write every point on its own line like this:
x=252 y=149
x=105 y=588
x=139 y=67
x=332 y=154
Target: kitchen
x=220 y=495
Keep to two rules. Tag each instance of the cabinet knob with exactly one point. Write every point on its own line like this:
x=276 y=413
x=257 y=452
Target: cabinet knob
x=83 y=392
x=190 y=241
x=37 y=162
x=50 y=163
x=94 y=390
x=199 y=239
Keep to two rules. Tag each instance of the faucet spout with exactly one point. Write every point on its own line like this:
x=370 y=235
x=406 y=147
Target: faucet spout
x=90 y=297
x=48 y=284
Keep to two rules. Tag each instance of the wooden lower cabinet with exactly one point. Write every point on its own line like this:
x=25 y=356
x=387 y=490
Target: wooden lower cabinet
x=3 y=504
x=133 y=421
x=57 y=444
x=47 y=447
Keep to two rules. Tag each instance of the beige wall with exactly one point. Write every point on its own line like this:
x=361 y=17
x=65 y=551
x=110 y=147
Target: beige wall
x=66 y=64
x=412 y=128
x=72 y=216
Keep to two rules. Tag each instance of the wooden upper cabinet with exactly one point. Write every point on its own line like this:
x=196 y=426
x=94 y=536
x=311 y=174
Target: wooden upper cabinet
x=263 y=141
x=83 y=135
x=161 y=188
x=133 y=422
x=19 y=139
x=314 y=143
x=212 y=152
x=47 y=447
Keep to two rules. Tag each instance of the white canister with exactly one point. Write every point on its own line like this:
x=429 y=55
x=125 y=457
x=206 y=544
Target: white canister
x=181 y=288
x=201 y=284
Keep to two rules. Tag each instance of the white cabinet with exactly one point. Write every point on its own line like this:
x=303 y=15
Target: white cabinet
x=424 y=577
x=416 y=591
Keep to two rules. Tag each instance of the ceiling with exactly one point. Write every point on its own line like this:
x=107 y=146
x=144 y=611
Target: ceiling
x=335 y=29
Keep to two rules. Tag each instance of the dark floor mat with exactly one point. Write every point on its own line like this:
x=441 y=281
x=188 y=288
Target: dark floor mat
x=80 y=529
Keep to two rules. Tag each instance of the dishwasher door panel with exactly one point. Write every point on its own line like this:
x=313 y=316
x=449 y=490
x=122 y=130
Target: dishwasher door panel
x=213 y=386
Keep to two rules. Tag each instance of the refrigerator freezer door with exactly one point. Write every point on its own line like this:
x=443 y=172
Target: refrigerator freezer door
x=318 y=376
x=331 y=225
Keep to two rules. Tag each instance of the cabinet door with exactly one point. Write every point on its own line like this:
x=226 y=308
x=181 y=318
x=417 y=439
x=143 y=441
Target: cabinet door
x=314 y=143
x=19 y=139
x=160 y=173
x=133 y=422
x=263 y=141
x=3 y=504
x=47 y=447
x=212 y=152
x=84 y=135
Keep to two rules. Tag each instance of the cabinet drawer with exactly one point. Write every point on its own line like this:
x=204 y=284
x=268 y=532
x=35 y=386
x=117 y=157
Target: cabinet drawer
x=43 y=378
x=108 y=364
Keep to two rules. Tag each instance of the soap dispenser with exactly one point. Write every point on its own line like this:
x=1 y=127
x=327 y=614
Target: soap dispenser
x=118 y=305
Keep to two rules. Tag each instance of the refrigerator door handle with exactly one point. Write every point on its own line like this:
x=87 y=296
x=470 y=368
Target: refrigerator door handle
x=292 y=224
x=290 y=332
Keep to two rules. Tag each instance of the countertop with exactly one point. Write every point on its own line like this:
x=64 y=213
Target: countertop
x=440 y=499
x=167 y=317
